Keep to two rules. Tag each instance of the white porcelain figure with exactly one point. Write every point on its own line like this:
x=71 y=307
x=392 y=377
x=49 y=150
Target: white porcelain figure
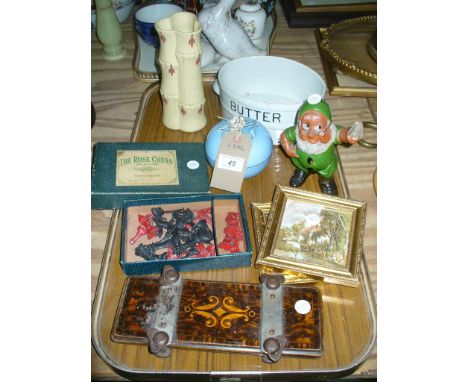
x=209 y=53
x=181 y=83
x=225 y=33
x=252 y=17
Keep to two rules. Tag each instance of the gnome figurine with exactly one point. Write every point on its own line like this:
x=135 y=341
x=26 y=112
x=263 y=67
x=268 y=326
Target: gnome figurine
x=310 y=144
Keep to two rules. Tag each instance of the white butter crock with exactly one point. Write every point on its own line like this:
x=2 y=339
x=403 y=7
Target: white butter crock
x=266 y=88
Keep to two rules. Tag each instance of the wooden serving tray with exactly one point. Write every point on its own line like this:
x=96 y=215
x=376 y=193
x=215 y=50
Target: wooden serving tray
x=349 y=314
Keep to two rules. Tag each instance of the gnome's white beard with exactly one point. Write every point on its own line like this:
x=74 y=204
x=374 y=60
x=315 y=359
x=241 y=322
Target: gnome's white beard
x=315 y=148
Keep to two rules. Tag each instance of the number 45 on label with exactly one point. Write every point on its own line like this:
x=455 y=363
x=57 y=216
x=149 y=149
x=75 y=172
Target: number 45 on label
x=229 y=162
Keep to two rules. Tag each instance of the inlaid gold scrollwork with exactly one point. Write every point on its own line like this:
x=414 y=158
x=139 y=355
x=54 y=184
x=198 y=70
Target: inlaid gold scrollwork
x=228 y=303
x=210 y=319
x=226 y=320
x=226 y=312
x=213 y=302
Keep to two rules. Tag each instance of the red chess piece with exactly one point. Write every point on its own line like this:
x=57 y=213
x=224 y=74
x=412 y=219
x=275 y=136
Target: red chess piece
x=232 y=218
x=145 y=228
x=203 y=214
x=202 y=252
x=211 y=250
x=230 y=245
x=151 y=232
x=171 y=255
x=145 y=220
x=233 y=233
x=140 y=232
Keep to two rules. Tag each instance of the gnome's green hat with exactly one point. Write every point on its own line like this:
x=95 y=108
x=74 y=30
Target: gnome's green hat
x=315 y=102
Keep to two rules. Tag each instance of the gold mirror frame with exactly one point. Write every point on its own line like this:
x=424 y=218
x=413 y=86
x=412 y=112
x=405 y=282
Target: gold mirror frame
x=335 y=84
x=335 y=57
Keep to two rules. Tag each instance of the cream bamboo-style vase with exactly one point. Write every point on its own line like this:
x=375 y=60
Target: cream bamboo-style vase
x=169 y=87
x=181 y=78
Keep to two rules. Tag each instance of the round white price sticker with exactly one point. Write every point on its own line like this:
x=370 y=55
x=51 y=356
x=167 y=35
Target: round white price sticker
x=193 y=164
x=302 y=306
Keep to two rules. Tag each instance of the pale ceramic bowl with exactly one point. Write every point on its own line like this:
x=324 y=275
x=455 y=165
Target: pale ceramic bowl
x=266 y=88
x=122 y=8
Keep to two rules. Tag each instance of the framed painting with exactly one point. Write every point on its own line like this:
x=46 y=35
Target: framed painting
x=314 y=234
x=260 y=213
x=321 y=13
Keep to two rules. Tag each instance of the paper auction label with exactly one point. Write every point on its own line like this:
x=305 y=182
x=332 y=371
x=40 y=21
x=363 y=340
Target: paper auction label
x=146 y=168
x=231 y=161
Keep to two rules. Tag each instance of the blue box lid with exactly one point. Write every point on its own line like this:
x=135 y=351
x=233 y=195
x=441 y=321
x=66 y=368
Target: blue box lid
x=133 y=171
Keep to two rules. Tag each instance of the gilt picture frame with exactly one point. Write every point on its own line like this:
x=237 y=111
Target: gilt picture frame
x=321 y=13
x=260 y=213
x=313 y=234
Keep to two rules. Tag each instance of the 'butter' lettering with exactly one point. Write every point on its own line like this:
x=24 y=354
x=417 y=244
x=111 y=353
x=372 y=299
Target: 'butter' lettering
x=265 y=116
